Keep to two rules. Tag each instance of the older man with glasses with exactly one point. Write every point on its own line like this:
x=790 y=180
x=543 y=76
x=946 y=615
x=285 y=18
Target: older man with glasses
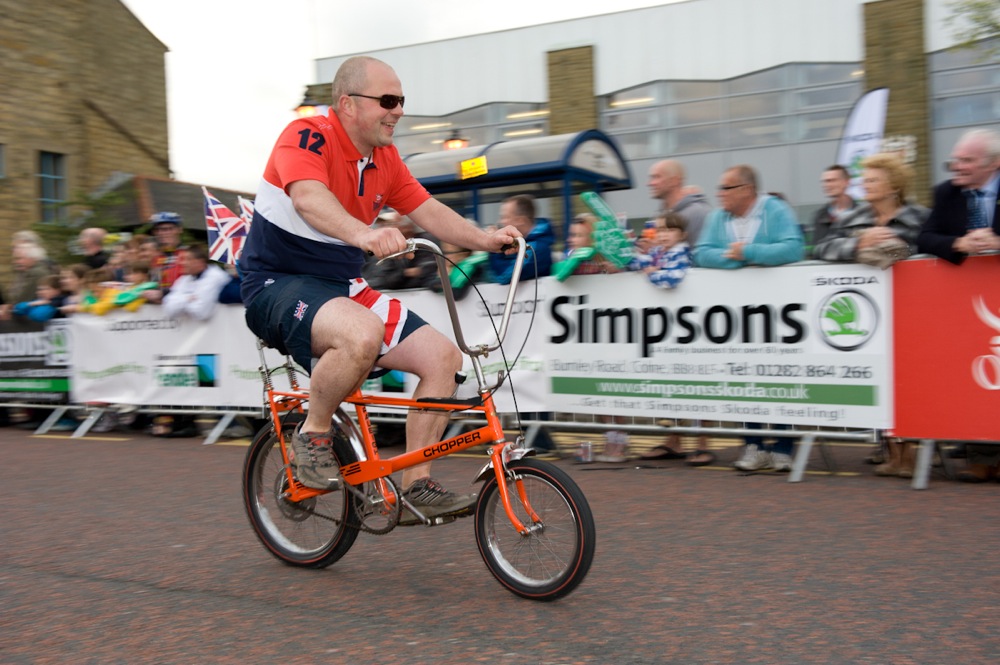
x=751 y=229
x=326 y=182
x=964 y=219
x=748 y=228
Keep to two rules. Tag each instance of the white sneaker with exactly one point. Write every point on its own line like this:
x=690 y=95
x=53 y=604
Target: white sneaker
x=754 y=459
x=749 y=452
x=781 y=462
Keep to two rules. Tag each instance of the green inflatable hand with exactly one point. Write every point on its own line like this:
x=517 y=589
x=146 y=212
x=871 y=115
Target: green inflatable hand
x=565 y=268
x=466 y=268
x=125 y=297
x=609 y=239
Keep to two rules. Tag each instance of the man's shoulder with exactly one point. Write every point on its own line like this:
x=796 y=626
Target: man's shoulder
x=319 y=134
x=541 y=231
x=693 y=203
x=946 y=190
x=777 y=205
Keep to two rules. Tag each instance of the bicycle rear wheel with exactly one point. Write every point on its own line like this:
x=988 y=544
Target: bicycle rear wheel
x=313 y=533
x=555 y=556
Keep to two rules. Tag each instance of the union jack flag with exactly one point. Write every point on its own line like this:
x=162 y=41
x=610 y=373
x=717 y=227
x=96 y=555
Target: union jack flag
x=246 y=210
x=226 y=231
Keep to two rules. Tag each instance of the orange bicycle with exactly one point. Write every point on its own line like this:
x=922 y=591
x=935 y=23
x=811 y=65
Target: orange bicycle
x=533 y=525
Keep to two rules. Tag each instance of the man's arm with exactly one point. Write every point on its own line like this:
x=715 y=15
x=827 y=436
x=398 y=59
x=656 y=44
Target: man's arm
x=712 y=245
x=320 y=208
x=938 y=234
x=199 y=297
x=786 y=244
x=447 y=225
x=173 y=302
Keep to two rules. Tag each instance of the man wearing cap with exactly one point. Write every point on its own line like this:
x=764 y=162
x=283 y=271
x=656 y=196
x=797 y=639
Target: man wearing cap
x=167 y=232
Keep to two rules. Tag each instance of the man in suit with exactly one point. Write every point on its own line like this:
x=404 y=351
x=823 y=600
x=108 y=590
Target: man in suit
x=964 y=219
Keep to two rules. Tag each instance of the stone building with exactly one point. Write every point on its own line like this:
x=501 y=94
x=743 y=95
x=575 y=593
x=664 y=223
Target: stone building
x=84 y=98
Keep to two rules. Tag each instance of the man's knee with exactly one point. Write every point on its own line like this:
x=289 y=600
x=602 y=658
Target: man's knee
x=362 y=339
x=348 y=328
x=453 y=358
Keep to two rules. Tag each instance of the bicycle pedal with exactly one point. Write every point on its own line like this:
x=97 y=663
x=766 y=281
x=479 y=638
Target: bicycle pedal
x=442 y=519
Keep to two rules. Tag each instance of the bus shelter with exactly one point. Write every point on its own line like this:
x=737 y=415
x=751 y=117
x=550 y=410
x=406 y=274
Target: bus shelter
x=548 y=167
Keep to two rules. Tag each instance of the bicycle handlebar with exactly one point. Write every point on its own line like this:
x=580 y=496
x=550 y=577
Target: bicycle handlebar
x=414 y=244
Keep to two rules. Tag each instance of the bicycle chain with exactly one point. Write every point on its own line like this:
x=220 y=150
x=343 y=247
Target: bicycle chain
x=362 y=526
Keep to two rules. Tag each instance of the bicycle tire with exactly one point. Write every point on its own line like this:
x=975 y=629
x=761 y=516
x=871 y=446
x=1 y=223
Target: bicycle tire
x=551 y=561
x=313 y=534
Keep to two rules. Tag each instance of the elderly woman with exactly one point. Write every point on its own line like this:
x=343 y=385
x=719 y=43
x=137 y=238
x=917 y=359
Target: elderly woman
x=882 y=230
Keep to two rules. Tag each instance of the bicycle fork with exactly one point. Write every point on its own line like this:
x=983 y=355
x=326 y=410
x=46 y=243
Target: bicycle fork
x=499 y=457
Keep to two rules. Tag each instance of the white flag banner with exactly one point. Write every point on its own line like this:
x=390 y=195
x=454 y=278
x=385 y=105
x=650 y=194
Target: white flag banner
x=862 y=135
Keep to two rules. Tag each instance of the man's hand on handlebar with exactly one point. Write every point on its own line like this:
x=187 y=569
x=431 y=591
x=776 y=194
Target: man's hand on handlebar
x=383 y=242
x=503 y=240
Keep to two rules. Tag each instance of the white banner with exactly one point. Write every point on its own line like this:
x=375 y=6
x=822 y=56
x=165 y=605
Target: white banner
x=478 y=320
x=149 y=359
x=805 y=344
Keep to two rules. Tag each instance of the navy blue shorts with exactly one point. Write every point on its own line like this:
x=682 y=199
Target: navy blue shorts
x=283 y=312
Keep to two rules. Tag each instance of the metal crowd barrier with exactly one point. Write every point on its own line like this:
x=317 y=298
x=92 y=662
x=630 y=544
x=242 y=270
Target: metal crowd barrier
x=533 y=427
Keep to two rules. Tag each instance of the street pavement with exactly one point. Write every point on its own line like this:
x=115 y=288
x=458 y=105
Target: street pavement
x=122 y=548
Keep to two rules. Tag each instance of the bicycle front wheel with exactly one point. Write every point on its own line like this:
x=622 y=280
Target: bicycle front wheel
x=554 y=557
x=313 y=533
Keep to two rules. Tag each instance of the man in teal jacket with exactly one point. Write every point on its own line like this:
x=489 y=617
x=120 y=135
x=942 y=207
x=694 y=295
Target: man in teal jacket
x=749 y=228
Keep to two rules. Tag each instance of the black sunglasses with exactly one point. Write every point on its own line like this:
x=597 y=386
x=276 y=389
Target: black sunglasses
x=388 y=102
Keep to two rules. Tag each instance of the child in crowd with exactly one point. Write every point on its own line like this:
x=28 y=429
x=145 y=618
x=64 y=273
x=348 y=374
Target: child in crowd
x=98 y=291
x=140 y=287
x=581 y=234
x=667 y=262
x=71 y=282
x=46 y=306
x=581 y=258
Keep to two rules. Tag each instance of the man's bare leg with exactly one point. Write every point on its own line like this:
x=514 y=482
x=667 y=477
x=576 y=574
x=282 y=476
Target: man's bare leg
x=435 y=360
x=346 y=338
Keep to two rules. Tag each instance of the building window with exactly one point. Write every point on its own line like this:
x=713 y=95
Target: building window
x=823 y=126
x=696 y=113
x=757 y=106
x=965 y=85
x=699 y=138
x=52 y=186
x=640 y=145
x=982 y=109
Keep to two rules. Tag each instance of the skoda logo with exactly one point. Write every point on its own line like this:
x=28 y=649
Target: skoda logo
x=848 y=319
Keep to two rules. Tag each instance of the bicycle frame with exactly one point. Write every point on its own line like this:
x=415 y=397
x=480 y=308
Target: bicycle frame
x=370 y=465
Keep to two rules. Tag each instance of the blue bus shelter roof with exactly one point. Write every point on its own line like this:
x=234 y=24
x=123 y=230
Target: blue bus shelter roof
x=559 y=165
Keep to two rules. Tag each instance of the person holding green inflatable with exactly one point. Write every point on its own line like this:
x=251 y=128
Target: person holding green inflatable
x=581 y=257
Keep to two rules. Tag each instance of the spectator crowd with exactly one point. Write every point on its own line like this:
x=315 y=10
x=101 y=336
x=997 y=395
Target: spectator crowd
x=747 y=227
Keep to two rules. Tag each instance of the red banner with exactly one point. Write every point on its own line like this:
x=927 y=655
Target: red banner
x=947 y=349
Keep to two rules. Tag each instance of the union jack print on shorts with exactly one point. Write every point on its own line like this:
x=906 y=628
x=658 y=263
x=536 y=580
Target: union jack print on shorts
x=300 y=310
x=391 y=311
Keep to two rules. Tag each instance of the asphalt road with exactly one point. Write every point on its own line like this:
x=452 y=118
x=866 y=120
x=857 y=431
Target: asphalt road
x=128 y=549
